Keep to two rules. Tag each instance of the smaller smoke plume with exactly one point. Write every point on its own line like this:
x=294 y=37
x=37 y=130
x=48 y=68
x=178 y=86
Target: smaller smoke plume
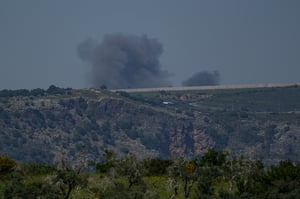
x=124 y=61
x=203 y=78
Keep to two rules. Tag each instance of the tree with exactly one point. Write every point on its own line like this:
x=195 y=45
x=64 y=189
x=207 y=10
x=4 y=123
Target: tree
x=210 y=168
x=37 y=92
x=52 y=90
x=109 y=164
x=128 y=166
x=182 y=172
x=7 y=165
x=241 y=171
x=213 y=158
x=132 y=168
x=281 y=181
x=68 y=173
x=16 y=187
x=206 y=178
x=156 y=166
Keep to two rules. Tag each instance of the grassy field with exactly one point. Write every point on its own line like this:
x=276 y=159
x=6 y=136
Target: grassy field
x=251 y=100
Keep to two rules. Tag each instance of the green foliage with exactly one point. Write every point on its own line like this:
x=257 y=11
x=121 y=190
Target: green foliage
x=132 y=168
x=204 y=187
x=184 y=173
x=280 y=181
x=128 y=167
x=54 y=90
x=38 y=169
x=7 y=165
x=125 y=178
x=68 y=180
x=120 y=190
x=157 y=167
x=38 y=92
x=107 y=164
x=213 y=158
x=68 y=173
x=16 y=187
x=13 y=93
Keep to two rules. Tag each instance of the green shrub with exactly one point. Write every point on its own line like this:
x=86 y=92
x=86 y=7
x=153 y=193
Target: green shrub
x=38 y=169
x=7 y=165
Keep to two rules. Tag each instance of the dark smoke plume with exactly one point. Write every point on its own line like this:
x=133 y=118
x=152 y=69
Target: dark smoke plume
x=124 y=61
x=203 y=78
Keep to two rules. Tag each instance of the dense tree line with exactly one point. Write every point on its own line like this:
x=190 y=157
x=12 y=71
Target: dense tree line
x=52 y=90
x=216 y=174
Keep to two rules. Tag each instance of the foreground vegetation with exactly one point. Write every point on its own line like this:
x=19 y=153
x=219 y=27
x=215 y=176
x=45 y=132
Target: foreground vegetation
x=216 y=174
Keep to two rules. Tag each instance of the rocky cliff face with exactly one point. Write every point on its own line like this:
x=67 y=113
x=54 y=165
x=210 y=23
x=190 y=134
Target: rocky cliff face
x=35 y=128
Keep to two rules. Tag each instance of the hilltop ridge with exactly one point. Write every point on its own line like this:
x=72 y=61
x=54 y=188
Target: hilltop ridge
x=261 y=122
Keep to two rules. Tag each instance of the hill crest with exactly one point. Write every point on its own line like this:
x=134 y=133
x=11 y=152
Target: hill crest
x=36 y=125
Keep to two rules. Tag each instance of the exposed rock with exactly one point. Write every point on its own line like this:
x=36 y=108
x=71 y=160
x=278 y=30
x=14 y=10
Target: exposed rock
x=35 y=128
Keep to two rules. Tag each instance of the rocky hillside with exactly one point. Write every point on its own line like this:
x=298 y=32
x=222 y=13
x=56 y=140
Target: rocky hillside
x=260 y=123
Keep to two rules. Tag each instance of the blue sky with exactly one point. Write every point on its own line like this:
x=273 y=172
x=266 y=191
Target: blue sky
x=255 y=41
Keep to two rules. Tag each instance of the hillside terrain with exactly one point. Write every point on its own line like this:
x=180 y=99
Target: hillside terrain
x=259 y=123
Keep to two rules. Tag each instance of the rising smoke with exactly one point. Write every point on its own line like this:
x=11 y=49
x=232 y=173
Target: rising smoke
x=124 y=61
x=203 y=78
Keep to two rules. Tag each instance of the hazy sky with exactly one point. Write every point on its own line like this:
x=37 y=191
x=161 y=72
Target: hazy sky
x=247 y=41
